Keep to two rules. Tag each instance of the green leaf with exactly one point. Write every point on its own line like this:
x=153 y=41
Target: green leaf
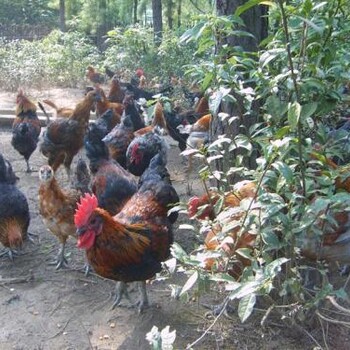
x=245 y=252
x=190 y=282
x=294 y=115
x=246 y=306
x=308 y=110
x=284 y=170
x=251 y=3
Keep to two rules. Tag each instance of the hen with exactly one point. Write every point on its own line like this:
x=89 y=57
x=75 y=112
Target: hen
x=177 y=121
x=142 y=149
x=65 y=137
x=203 y=208
x=116 y=93
x=119 y=139
x=94 y=76
x=103 y=105
x=198 y=136
x=132 y=110
x=61 y=112
x=131 y=245
x=112 y=185
x=57 y=207
x=25 y=128
x=14 y=210
x=158 y=122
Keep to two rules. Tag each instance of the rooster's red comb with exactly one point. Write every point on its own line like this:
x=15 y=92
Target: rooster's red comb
x=88 y=203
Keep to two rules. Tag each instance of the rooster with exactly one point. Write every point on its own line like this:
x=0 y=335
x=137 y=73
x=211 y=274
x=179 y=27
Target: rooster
x=65 y=137
x=131 y=245
x=14 y=210
x=25 y=128
x=112 y=185
x=132 y=110
x=57 y=207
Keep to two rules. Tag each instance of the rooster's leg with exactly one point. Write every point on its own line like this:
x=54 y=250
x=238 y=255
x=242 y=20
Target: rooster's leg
x=143 y=303
x=61 y=260
x=29 y=169
x=121 y=289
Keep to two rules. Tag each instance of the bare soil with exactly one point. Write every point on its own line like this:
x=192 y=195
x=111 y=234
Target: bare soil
x=45 y=308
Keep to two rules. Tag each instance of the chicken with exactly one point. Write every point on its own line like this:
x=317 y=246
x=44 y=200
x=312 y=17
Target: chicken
x=61 y=112
x=133 y=111
x=82 y=177
x=109 y=72
x=112 y=185
x=119 y=139
x=57 y=207
x=225 y=210
x=198 y=136
x=177 y=121
x=116 y=93
x=64 y=137
x=25 y=128
x=142 y=149
x=131 y=245
x=135 y=79
x=158 y=122
x=94 y=76
x=103 y=105
x=14 y=210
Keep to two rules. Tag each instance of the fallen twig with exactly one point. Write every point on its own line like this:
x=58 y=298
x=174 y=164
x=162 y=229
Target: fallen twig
x=25 y=279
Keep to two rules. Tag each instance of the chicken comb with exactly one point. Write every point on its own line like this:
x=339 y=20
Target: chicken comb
x=88 y=203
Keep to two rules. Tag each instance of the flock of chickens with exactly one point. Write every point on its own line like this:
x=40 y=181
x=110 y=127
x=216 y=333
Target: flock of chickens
x=118 y=207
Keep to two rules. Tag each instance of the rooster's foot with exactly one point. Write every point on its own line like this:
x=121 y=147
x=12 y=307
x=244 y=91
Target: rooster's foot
x=121 y=290
x=31 y=236
x=60 y=263
x=344 y=270
x=9 y=252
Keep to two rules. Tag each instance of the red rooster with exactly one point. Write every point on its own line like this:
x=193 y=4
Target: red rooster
x=131 y=245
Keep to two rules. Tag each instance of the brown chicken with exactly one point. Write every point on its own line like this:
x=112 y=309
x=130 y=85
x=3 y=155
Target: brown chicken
x=57 y=208
x=158 y=122
x=94 y=76
x=65 y=137
x=61 y=112
x=103 y=105
x=202 y=208
x=14 y=210
x=116 y=93
x=25 y=127
x=131 y=245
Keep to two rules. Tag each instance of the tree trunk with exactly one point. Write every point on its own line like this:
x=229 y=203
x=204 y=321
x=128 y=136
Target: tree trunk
x=169 y=13
x=179 y=8
x=256 y=24
x=62 y=16
x=135 y=11
x=157 y=21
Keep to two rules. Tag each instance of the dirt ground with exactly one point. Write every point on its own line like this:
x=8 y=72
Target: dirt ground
x=42 y=308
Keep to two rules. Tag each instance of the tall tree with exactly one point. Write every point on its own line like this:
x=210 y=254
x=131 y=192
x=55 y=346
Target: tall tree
x=135 y=5
x=169 y=13
x=157 y=21
x=62 y=15
x=255 y=23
